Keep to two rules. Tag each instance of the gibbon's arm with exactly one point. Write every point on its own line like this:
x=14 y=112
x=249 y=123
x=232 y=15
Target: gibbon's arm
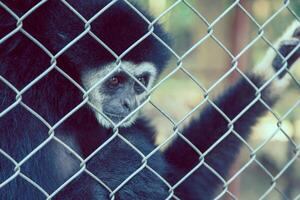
x=211 y=125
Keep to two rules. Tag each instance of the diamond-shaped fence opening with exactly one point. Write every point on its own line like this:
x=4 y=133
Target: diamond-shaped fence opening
x=60 y=138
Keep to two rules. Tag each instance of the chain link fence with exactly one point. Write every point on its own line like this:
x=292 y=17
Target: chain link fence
x=180 y=67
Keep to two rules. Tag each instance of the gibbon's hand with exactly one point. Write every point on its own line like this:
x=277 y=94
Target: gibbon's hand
x=290 y=50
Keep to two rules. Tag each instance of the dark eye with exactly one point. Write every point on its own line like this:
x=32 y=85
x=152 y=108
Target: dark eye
x=142 y=80
x=114 y=81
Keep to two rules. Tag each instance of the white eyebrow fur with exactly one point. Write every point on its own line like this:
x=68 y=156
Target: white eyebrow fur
x=91 y=77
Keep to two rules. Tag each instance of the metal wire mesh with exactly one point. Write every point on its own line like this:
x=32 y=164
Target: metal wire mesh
x=210 y=25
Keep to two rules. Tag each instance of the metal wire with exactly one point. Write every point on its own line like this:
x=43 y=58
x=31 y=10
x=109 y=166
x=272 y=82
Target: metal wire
x=175 y=124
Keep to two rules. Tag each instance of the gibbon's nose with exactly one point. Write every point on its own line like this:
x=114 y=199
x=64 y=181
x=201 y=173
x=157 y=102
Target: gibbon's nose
x=129 y=104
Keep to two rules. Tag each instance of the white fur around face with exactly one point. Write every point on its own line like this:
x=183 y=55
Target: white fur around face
x=92 y=78
x=265 y=70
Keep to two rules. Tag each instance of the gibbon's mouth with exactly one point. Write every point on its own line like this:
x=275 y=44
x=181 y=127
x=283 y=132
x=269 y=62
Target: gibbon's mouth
x=116 y=117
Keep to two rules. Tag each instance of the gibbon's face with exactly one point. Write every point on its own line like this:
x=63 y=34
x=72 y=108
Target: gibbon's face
x=118 y=95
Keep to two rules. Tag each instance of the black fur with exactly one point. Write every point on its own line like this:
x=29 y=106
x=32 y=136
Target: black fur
x=52 y=97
